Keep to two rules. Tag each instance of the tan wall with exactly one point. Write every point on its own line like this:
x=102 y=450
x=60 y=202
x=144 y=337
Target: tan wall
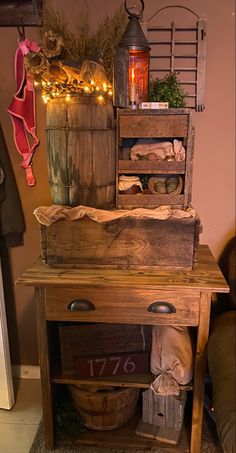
x=214 y=165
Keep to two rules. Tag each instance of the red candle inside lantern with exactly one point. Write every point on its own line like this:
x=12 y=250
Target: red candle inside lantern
x=132 y=88
x=138 y=76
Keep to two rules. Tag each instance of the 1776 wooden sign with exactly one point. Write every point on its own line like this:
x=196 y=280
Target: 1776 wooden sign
x=112 y=365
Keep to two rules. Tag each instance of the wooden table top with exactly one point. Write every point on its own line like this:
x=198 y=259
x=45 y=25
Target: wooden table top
x=206 y=276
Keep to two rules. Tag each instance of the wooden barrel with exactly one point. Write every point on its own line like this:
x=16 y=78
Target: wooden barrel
x=81 y=151
x=105 y=409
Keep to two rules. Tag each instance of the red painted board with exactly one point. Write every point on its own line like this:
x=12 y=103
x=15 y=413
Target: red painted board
x=111 y=365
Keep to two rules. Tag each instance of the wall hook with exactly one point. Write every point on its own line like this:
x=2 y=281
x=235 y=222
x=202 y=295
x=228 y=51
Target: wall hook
x=21 y=29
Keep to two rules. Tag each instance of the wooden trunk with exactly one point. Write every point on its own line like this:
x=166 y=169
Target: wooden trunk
x=105 y=409
x=82 y=340
x=81 y=151
x=123 y=243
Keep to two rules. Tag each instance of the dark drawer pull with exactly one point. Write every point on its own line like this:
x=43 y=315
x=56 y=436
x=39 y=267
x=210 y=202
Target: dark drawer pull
x=80 y=305
x=161 y=307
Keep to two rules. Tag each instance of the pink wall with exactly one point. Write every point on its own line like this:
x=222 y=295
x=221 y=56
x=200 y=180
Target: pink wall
x=214 y=161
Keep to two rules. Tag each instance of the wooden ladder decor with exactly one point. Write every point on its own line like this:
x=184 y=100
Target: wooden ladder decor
x=168 y=46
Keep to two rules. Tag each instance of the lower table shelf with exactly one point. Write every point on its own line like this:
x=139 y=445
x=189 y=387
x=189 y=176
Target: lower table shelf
x=137 y=380
x=70 y=429
x=67 y=419
x=125 y=438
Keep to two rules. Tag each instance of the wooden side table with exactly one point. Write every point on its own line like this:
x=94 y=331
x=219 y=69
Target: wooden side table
x=129 y=297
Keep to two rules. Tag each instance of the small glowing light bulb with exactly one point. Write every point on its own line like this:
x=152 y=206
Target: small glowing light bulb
x=97 y=88
x=104 y=86
x=86 y=89
x=36 y=83
x=100 y=98
x=68 y=97
x=110 y=93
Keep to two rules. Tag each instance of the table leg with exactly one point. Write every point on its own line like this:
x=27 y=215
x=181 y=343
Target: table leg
x=44 y=369
x=199 y=373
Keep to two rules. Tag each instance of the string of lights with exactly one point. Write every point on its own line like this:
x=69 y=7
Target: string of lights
x=51 y=90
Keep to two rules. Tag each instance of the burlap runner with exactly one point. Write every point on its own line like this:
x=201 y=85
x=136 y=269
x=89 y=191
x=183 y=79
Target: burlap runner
x=47 y=215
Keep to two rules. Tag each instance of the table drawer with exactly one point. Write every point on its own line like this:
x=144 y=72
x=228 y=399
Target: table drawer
x=119 y=305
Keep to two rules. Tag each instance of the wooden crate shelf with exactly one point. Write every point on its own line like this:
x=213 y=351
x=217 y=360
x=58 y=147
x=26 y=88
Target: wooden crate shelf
x=163 y=125
x=141 y=200
x=153 y=123
x=151 y=167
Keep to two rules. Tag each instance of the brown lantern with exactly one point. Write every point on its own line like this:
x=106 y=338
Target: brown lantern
x=131 y=62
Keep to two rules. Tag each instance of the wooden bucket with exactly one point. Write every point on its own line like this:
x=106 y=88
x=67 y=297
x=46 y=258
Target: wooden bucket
x=81 y=151
x=104 y=409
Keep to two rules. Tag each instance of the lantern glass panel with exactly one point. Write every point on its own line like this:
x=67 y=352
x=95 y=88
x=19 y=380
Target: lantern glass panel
x=138 y=75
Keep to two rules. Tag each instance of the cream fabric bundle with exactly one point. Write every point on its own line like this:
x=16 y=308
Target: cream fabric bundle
x=162 y=150
x=171 y=359
x=46 y=215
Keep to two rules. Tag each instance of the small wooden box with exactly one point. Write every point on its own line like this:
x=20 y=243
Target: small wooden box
x=83 y=340
x=124 y=243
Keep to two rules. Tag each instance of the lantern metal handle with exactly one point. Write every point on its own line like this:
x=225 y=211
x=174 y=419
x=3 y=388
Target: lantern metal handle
x=130 y=14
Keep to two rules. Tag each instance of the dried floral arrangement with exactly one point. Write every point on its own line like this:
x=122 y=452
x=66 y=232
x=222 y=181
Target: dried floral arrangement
x=75 y=62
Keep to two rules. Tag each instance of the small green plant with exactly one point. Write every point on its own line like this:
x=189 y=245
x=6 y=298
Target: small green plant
x=167 y=90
